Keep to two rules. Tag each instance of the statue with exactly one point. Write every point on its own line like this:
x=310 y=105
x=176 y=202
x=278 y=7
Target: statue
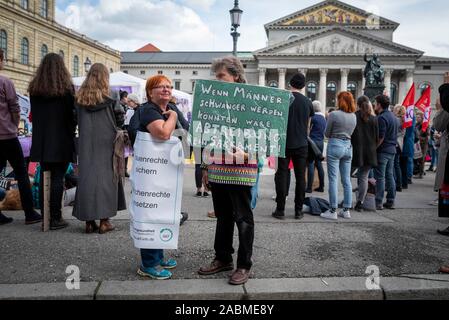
x=374 y=72
x=375 y=76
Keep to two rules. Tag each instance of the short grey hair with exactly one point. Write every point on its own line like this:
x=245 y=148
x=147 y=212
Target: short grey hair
x=134 y=97
x=233 y=65
x=316 y=106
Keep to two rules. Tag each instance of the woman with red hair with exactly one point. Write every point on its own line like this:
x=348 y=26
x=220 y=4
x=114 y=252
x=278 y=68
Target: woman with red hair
x=340 y=127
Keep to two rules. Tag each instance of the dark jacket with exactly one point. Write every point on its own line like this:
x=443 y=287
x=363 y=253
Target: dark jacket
x=364 y=142
x=444 y=99
x=54 y=125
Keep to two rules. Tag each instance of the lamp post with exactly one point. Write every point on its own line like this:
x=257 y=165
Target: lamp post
x=236 y=16
x=87 y=65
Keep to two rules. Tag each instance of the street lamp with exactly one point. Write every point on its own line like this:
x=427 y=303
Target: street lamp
x=236 y=16
x=87 y=65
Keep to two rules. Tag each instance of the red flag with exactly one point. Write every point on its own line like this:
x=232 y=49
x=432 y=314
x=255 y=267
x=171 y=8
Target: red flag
x=423 y=104
x=409 y=104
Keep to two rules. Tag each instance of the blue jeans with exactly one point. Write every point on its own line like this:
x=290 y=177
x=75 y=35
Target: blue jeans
x=435 y=154
x=410 y=167
x=384 y=175
x=151 y=257
x=397 y=170
x=339 y=159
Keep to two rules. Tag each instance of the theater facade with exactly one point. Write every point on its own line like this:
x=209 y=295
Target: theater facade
x=327 y=42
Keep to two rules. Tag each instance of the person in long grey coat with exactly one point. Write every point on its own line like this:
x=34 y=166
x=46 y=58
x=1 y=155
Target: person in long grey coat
x=100 y=193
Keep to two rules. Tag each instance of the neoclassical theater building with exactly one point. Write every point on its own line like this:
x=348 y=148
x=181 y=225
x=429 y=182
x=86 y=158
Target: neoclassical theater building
x=28 y=31
x=326 y=41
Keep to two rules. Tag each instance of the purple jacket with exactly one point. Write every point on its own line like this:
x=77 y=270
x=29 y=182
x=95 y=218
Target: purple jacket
x=9 y=104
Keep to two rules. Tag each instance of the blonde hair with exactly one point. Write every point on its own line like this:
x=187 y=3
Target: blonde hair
x=399 y=110
x=95 y=88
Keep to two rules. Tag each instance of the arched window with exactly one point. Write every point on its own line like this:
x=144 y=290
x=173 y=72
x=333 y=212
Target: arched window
x=4 y=42
x=394 y=93
x=311 y=90
x=24 y=4
x=44 y=8
x=44 y=51
x=273 y=84
x=25 y=51
x=352 y=87
x=424 y=86
x=292 y=36
x=331 y=94
x=76 y=66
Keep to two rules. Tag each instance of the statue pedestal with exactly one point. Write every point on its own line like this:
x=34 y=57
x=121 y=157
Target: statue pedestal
x=374 y=90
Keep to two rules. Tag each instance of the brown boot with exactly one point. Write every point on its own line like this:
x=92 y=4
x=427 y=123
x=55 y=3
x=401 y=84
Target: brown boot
x=215 y=267
x=91 y=227
x=239 y=277
x=106 y=226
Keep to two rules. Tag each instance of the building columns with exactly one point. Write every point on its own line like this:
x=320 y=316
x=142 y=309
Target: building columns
x=323 y=87
x=387 y=81
x=262 y=77
x=282 y=74
x=409 y=78
x=344 y=79
x=363 y=81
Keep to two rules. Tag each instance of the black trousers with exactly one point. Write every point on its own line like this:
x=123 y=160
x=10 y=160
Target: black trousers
x=232 y=205
x=198 y=176
x=299 y=158
x=11 y=150
x=58 y=171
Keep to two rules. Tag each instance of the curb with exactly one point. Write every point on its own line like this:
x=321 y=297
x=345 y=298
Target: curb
x=405 y=287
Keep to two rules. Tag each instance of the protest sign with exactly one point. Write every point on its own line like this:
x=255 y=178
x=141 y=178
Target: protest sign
x=252 y=118
x=157 y=180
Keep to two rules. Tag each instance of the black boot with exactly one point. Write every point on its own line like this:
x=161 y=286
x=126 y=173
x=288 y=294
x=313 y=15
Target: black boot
x=359 y=206
x=279 y=214
x=57 y=224
x=4 y=219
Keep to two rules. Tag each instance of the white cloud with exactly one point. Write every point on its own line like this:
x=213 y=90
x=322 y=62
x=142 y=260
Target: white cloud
x=129 y=25
x=199 y=4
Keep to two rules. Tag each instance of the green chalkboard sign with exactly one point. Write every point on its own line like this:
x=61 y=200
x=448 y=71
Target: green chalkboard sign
x=253 y=118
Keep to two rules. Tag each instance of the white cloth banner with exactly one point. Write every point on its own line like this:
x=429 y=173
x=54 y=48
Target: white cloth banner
x=157 y=180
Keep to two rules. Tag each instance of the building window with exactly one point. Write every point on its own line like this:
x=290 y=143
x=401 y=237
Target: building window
x=331 y=94
x=111 y=70
x=142 y=72
x=193 y=86
x=125 y=71
x=61 y=53
x=44 y=8
x=292 y=37
x=427 y=68
x=177 y=73
x=394 y=93
x=352 y=87
x=76 y=66
x=25 y=51
x=4 y=42
x=160 y=72
x=311 y=91
x=195 y=73
x=24 y=4
x=424 y=86
x=177 y=85
x=44 y=51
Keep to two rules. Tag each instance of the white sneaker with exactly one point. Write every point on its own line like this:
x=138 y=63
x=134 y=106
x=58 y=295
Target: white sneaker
x=329 y=215
x=345 y=214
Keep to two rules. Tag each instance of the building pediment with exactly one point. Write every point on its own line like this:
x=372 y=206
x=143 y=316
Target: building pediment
x=337 y=40
x=331 y=12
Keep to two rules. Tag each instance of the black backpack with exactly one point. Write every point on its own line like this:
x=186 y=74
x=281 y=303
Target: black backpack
x=134 y=125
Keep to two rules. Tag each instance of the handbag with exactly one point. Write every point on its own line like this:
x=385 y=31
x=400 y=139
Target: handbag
x=417 y=151
x=314 y=152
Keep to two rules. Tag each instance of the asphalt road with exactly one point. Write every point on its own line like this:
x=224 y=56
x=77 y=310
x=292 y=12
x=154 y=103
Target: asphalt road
x=403 y=241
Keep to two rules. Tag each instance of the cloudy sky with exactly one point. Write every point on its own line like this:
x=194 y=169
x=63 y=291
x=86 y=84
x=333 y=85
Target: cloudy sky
x=204 y=25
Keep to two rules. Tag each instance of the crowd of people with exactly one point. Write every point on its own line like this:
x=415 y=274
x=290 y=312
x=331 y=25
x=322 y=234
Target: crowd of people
x=365 y=140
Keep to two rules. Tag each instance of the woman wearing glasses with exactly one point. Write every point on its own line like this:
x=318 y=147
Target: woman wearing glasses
x=160 y=118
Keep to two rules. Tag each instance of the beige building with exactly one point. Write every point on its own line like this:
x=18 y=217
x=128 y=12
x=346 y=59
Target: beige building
x=327 y=42
x=28 y=31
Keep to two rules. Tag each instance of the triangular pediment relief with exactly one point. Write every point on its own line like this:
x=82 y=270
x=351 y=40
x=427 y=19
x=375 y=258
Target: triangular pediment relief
x=330 y=12
x=337 y=41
